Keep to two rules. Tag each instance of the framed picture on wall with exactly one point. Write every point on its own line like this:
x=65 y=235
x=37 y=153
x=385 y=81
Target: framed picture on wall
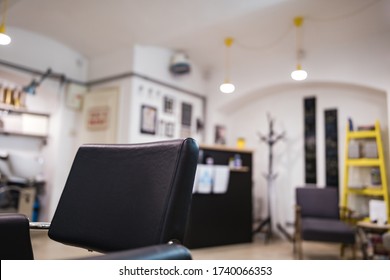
x=186 y=114
x=220 y=135
x=98 y=118
x=169 y=104
x=148 y=119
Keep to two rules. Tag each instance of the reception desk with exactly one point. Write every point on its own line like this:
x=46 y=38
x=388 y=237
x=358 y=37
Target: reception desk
x=223 y=218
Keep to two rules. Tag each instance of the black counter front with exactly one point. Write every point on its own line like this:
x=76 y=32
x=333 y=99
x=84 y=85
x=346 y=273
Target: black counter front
x=223 y=218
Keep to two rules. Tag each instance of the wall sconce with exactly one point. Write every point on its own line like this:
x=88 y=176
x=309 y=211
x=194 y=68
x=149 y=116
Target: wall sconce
x=32 y=86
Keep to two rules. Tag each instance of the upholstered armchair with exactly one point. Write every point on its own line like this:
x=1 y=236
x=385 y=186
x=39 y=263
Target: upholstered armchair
x=317 y=218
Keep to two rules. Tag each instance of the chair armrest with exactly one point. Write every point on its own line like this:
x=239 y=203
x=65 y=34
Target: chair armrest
x=40 y=225
x=345 y=210
x=15 y=243
x=156 y=252
x=347 y=214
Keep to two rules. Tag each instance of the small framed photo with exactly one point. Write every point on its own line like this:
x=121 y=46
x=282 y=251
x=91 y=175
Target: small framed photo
x=169 y=129
x=220 y=134
x=148 y=119
x=169 y=104
x=186 y=114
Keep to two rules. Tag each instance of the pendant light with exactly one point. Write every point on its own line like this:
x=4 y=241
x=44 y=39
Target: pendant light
x=4 y=38
x=298 y=74
x=227 y=86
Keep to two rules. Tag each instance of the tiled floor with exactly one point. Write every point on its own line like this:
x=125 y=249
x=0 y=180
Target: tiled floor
x=276 y=249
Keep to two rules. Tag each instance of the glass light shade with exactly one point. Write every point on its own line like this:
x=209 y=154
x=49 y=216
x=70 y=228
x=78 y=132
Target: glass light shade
x=299 y=75
x=4 y=39
x=227 y=87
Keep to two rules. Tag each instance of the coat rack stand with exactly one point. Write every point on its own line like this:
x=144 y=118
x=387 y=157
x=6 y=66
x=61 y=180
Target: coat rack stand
x=271 y=139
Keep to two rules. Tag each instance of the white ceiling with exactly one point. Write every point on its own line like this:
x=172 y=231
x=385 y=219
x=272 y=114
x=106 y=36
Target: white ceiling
x=97 y=27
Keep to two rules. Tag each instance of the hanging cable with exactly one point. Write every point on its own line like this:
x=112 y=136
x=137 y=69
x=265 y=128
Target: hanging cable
x=4 y=12
x=288 y=30
x=346 y=15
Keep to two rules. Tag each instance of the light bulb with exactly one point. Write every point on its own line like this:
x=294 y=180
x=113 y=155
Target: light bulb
x=299 y=75
x=4 y=39
x=227 y=87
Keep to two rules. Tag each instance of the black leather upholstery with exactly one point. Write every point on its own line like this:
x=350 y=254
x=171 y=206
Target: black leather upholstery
x=119 y=197
x=15 y=243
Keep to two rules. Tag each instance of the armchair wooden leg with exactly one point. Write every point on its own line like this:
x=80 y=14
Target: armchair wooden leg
x=297 y=246
x=353 y=250
x=342 y=251
x=297 y=249
x=300 y=252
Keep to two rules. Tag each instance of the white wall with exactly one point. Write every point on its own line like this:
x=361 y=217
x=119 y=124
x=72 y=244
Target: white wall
x=151 y=94
x=285 y=105
x=39 y=52
x=153 y=62
x=110 y=64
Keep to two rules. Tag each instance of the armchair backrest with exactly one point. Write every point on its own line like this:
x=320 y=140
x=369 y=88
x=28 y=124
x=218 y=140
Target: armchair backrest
x=318 y=202
x=120 y=197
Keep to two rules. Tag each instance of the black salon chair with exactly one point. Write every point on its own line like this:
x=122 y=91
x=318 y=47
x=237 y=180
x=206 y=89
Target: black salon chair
x=318 y=219
x=126 y=201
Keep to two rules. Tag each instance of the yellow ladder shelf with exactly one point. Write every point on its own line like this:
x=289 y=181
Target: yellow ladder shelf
x=369 y=191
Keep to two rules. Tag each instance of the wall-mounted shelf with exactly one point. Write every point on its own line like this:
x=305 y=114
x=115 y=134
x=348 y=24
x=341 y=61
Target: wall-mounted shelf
x=13 y=110
x=240 y=169
x=23 y=123
x=225 y=148
x=10 y=133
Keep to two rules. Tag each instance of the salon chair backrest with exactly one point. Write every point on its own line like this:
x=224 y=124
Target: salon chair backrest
x=119 y=197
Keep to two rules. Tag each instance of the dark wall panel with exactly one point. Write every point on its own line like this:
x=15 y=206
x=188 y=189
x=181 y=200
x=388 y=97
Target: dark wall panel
x=331 y=148
x=310 y=140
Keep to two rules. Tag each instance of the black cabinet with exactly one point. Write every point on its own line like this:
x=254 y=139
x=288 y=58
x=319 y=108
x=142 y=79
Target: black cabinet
x=221 y=219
